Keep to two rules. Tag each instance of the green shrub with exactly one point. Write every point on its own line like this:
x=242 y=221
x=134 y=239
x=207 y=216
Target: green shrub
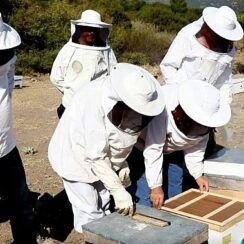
x=166 y=18
x=119 y=39
x=178 y=6
x=141 y=39
x=35 y=61
x=134 y=58
x=141 y=32
x=241 y=19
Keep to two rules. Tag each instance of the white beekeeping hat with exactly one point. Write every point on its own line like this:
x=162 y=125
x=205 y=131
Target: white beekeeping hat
x=9 y=37
x=223 y=21
x=138 y=89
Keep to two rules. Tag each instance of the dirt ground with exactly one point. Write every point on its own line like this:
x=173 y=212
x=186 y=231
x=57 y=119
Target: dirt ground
x=35 y=119
x=34 y=122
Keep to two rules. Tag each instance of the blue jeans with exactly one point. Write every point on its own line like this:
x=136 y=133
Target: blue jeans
x=173 y=171
x=15 y=194
x=143 y=192
x=172 y=183
x=175 y=179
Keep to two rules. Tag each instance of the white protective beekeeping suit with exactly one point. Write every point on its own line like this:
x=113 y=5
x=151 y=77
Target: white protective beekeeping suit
x=77 y=64
x=188 y=59
x=9 y=39
x=87 y=149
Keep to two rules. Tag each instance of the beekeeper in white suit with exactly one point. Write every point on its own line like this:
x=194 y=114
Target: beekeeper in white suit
x=95 y=136
x=85 y=57
x=191 y=111
x=14 y=192
x=204 y=50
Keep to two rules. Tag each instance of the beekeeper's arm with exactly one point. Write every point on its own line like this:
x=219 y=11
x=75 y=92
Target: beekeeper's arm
x=194 y=162
x=225 y=84
x=96 y=150
x=11 y=73
x=60 y=66
x=123 y=172
x=173 y=59
x=123 y=201
x=153 y=154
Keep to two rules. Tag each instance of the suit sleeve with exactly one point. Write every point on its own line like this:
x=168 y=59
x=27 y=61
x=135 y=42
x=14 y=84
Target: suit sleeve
x=194 y=157
x=153 y=152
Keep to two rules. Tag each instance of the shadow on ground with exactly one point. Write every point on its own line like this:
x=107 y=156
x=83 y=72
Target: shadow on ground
x=53 y=215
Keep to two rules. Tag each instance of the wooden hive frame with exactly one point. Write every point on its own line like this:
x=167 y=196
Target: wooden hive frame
x=218 y=211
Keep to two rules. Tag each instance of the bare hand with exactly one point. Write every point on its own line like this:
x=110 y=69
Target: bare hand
x=203 y=183
x=157 y=197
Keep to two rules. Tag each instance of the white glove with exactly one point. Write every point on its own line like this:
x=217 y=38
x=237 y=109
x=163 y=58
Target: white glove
x=122 y=199
x=123 y=173
x=124 y=176
x=123 y=202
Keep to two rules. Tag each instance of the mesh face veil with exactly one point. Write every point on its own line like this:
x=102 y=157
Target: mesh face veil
x=127 y=119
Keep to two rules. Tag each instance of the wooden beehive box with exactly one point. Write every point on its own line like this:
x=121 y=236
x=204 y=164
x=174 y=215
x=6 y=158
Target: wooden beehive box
x=147 y=228
x=224 y=215
x=18 y=81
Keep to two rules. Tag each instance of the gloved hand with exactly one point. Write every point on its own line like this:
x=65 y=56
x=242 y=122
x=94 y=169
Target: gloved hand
x=123 y=172
x=123 y=202
x=124 y=176
x=122 y=199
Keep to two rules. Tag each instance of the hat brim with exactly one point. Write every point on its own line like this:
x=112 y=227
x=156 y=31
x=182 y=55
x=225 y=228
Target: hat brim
x=220 y=118
x=99 y=24
x=9 y=37
x=209 y=16
x=151 y=108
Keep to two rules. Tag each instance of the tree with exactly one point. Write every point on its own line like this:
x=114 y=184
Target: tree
x=7 y=7
x=132 y=5
x=178 y=6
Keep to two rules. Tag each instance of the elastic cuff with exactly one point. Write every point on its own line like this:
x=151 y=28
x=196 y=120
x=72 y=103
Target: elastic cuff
x=155 y=186
x=197 y=175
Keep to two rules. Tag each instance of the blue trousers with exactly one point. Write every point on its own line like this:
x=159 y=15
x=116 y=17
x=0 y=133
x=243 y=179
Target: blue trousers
x=14 y=194
x=175 y=177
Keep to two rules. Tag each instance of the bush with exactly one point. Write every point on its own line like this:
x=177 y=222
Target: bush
x=35 y=61
x=44 y=28
x=178 y=6
x=141 y=32
x=241 y=19
x=167 y=20
x=144 y=40
x=134 y=58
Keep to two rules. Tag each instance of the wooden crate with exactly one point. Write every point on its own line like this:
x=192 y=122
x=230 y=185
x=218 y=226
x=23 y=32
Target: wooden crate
x=223 y=214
